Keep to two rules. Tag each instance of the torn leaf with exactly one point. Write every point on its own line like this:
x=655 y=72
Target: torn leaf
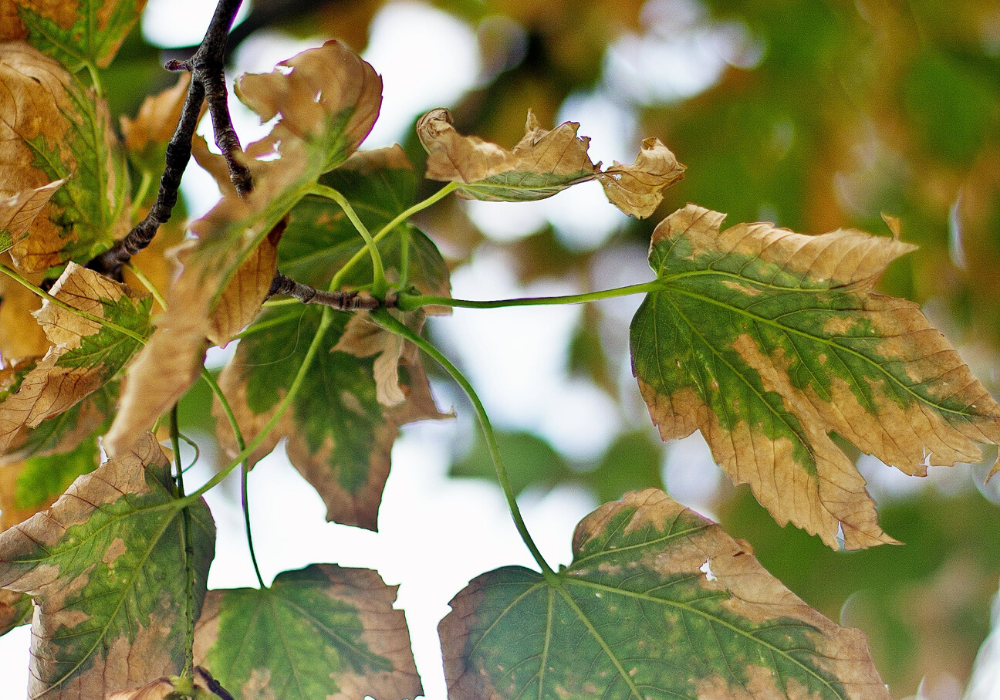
x=341 y=638
x=768 y=340
x=18 y=211
x=637 y=189
x=634 y=616
x=107 y=567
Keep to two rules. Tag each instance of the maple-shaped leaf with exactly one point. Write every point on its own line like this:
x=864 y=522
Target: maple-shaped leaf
x=15 y=610
x=768 y=340
x=55 y=130
x=108 y=568
x=327 y=99
x=339 y=435
x=85 y=355
x=658 y=603
x=320 y=632
x=542 y=164
x=75 y=33
x=20 y=335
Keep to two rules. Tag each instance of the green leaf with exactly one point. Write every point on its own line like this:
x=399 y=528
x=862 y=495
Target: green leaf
x=658 y=603
x=339 y=435
x=530 y=461
x=107 y=567
x=58 y=130
x=76 y=33
x=610 y=480
x=320 y=632
x=768 y=340
x=15 y=610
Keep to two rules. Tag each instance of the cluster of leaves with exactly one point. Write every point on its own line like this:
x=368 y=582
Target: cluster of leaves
x=765 y=340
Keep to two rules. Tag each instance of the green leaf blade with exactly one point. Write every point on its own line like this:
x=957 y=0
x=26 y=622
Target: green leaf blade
x=658 y=603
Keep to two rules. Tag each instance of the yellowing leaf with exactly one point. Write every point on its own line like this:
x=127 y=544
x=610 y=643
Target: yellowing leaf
x=85 y=355
x=52 y=130
x=107 y=566
x=542 y=164
x=20 y=334
x=657 y=603
x=15 y=610
x=75 y=32
x=18 y=211
x=147 y=135
x=768 y=340
x=341 y=638
x=637 y=189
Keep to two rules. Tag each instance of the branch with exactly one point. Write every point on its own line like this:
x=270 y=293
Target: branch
x=208 y=84
x=340 y=301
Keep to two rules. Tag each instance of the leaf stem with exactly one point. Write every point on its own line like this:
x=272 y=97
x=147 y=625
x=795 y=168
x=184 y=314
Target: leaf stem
x=387 y=229
x=380 y=286
x=283 y=405
x=241 y=444
x=386 y=320
x=409 y=302
x=188 y=546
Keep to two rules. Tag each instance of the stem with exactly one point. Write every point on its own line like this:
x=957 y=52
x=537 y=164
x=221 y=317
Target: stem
x=188 y=546
x=380 y=285
x=140 y=195
x=387 y=229
x=283 y=405
x=386 y=320
x=148 y=284
x=95 y=79
x=63 y=305
x=341 y=301
x=409 y=302
x=241 y=444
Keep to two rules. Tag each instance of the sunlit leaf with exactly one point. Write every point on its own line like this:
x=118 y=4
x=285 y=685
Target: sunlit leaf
x=20 y=334
x=107 y=567
x=321 y=632
x=658 y=603
x=53 y=129
x=19 y=210
x=147 y=135
x=768 y=340
x=15 y=610
x=85 y=355
x=75 y=32
x=339 y=435
x=637 y=189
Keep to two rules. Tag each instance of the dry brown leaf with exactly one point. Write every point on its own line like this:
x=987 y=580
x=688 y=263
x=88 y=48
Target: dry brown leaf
x=157 y=118
x=18 y=211
x=637 y=189
x=20 y=334
x=363 y=338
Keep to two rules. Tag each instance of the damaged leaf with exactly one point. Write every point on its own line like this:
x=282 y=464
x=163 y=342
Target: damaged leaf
x=658 y=603
x=202 y=687
x=85 y=355
x=339 y=435
x=20 y=335
x=15 y=610
x=54 y=130
x=340 y=638
x=18 y=211
x=106 y=566
x=147 y=135
x=768 y=340
x=542 y=164
x=76 y=32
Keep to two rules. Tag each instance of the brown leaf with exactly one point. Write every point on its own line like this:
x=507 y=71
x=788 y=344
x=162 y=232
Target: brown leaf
x=637 y=189
x=363 y=338
x=18 y=211
x=166 y=689
x=20 y=334
x=157 y=118
x=15 y=609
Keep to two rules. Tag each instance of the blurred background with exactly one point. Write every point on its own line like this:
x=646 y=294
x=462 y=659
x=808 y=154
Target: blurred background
x=812 y=114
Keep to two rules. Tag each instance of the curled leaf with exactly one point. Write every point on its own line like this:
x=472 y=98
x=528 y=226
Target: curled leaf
x=768 y=340
x=637 y=189
x=657 y=603
x=18 y=211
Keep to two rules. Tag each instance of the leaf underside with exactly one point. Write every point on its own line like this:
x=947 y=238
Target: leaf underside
x=658 y=603
x=768 y=340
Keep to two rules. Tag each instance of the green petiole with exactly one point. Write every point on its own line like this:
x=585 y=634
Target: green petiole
x=410 y=302
x=380 y=285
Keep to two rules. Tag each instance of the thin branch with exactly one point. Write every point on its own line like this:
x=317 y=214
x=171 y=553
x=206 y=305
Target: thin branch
x=341 y=301
x=208 y=83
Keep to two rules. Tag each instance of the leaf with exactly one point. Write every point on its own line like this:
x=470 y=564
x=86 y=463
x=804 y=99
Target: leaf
x=75 y=33
x=15 y=610
x=53 y=129
x=768 y=340
x=18 y=211
x=637 y=189
x=542 y=164
x=658 y=603
x=147 y=135
x=85 y=355
x=20 y=334
x=339 y=436
x=106 y=566
x=202 y=687
x=320 y=632
x=328 y=99
x=530 y=461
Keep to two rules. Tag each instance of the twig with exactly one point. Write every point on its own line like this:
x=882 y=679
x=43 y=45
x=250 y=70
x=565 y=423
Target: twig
x=208 y=84
x=341 y=301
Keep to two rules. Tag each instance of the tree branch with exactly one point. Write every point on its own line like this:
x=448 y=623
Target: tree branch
x=341 y=301
x=208 y=84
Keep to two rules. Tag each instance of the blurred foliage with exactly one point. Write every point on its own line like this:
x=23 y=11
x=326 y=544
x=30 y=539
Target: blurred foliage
x=823 y=115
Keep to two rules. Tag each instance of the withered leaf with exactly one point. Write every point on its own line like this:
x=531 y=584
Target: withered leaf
x=339 y=435
x=53 y=129
x=768 y=340
x=107 y=567
x=340 y=637
x=147 y=135
x=76 y=32
x=657 y=603
x=20 y=334
x=19 y=210
x=542 y=164
x=85 y=355
x=15 y=610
